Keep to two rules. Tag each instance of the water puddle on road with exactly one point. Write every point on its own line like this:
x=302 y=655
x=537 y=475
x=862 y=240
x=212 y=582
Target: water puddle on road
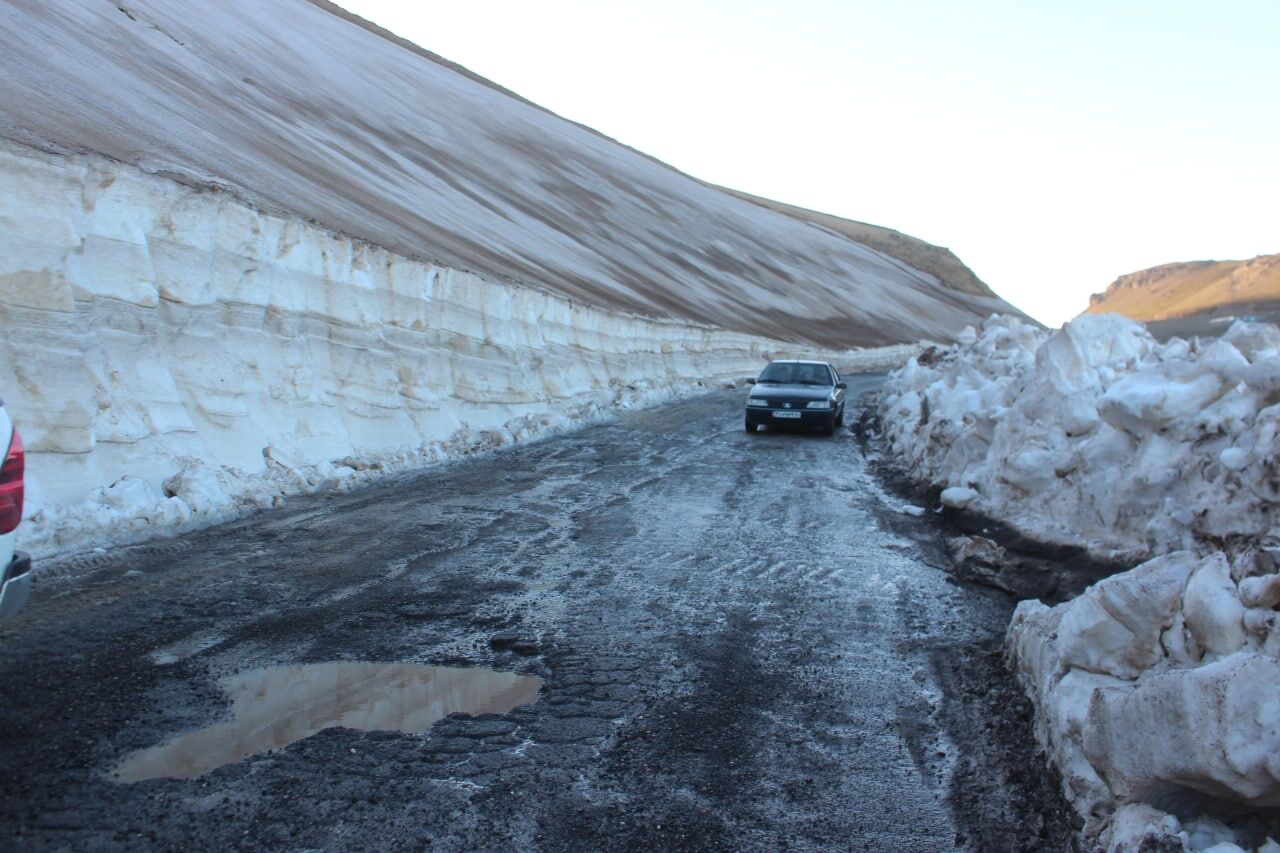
x=276 y=706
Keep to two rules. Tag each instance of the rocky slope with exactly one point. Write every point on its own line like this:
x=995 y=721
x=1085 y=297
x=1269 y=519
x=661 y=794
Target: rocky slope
x=1177 y=290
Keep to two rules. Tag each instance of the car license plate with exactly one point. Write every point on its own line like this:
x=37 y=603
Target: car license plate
x=786 y=414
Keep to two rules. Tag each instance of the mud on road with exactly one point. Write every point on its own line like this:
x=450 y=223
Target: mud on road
x=742 y=641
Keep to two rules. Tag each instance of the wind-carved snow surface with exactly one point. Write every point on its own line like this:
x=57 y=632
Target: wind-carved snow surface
x=1158 y=689
x=175 y=358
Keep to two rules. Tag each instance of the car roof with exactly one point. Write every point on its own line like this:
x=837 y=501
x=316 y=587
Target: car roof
x=798 y=361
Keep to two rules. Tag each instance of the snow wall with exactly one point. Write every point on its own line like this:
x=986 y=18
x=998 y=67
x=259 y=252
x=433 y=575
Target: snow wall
x=174 y=357
x=1157 y=690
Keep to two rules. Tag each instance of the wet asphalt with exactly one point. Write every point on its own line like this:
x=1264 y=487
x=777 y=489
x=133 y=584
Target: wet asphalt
x=744 y=641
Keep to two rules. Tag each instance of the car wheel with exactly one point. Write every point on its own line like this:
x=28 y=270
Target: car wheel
x=750 y=427
x=830 y=427
x=840 y=417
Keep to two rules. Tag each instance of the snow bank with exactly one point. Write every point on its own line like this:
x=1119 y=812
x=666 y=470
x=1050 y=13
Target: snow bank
x=1096 y=435
x=1158 y=689
x=174 y=357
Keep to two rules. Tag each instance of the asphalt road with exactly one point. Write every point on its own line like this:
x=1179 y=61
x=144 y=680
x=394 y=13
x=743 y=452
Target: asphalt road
x=742 y=642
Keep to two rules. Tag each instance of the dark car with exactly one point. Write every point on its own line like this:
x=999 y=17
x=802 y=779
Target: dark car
x=797 y=393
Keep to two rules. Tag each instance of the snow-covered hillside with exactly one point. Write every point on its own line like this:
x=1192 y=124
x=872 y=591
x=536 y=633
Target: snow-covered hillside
x=306 y=113
x=1158 y=690
x=253 y=249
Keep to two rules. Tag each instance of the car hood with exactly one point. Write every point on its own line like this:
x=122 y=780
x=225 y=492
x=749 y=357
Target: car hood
x=783 y=391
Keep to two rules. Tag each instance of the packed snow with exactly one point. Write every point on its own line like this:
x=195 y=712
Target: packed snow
x=176 y=358
x=1158 y=689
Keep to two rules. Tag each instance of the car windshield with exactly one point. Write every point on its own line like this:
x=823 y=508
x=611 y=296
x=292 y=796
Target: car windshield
x=796 y=373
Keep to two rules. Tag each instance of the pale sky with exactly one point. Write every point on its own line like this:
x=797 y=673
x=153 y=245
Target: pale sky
x=1052 y=146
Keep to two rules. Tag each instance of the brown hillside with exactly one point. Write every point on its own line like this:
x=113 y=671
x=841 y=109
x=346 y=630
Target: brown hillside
x=938 y=261
x=1182 y=289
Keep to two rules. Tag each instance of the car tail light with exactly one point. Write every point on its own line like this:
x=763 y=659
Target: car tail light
x=11 y=485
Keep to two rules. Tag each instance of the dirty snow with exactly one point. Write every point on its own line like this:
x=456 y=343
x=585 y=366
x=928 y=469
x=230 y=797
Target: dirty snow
x=1158 y=689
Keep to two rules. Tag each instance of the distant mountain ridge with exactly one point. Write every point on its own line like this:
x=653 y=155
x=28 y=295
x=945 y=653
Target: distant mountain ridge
x=1187 y=288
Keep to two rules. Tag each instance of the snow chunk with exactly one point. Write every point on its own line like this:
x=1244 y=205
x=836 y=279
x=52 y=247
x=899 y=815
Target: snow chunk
x=1261 y=592
x=1253 y=339
x=1149 y=690
x=1234 y=458
x=1214 y=729
x=204 y=488
x=1212 y=608
x=1114 y=628
x=1152 y=399
x=1138 y=826
x=958 y=497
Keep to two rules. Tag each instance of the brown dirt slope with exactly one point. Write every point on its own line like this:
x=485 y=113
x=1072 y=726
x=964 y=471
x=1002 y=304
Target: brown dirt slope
x=1193 y=287
x=938 y=261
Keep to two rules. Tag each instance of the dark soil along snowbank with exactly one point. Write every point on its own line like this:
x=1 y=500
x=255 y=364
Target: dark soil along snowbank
x=984 y=550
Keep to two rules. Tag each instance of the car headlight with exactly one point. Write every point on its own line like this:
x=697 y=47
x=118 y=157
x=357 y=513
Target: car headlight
x=819 y=404
x=756 y=401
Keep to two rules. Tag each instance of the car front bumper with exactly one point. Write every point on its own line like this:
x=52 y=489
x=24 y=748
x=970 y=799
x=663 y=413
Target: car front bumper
x=16 y=585
x=757 y=415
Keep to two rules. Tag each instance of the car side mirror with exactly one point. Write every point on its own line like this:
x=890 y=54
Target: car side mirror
x=842 y=384
x=751 y=382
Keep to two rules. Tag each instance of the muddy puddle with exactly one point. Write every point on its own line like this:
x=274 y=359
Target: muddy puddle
x=273 y=707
